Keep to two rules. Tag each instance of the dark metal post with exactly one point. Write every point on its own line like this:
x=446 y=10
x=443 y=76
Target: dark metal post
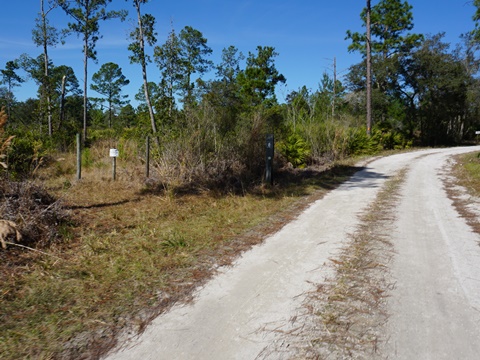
x=270 y=146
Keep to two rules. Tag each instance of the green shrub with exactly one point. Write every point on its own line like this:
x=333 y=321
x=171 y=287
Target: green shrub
x=101 y=134
x=130 y=149
x=295 y=149
x=25 y=155
x=362 y=144
x=87 y=158
x=5 y=141
x=392 y=140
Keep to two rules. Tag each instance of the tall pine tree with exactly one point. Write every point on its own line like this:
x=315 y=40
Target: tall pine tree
x=86 y=15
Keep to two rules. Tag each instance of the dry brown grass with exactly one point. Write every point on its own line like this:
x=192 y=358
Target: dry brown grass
x=131 y=252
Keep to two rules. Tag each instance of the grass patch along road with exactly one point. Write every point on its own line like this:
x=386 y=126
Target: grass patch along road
x=462 y=184
x=130 y=255
x=467 y=171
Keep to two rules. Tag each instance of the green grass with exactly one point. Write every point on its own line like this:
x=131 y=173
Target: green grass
x=468 y=172
x=130 y=255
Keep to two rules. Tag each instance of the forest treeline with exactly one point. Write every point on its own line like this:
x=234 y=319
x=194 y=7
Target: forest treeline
x=425 y=92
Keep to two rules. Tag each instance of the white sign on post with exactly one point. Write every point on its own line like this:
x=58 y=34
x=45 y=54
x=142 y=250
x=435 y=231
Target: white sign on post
x=477 y=132
x=113 y=152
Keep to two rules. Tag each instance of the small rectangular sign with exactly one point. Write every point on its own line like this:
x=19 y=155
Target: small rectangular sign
x=477 y=132
x=113 y=152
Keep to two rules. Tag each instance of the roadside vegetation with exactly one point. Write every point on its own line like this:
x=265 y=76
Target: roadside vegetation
x=467 y=171
x=100 y=258
x=464 y=188
x=125 y=250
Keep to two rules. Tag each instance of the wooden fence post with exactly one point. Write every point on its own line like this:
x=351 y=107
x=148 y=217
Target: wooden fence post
x=79 y=158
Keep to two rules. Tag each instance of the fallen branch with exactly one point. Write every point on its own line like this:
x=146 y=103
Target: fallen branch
x=29 y=248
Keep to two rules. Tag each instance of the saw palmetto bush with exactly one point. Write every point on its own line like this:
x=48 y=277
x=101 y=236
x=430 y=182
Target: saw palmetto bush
x=296 y=150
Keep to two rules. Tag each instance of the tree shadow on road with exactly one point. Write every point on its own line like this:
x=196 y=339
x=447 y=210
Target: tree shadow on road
x=365 y=178
x=301 y=182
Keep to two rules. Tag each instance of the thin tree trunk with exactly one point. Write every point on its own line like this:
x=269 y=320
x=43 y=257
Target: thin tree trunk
x=85 y=63
x=9 y=98
x=334 y=86
x=86 y=36
x=144 y=72
x=49 y=116
x=170 y=102
x=369 y=72
x=62 y=103
x=47 y=82
x=110 y=111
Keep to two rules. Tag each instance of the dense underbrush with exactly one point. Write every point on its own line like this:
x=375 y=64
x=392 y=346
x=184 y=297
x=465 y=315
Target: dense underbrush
x=103 y=257
x=40 y=217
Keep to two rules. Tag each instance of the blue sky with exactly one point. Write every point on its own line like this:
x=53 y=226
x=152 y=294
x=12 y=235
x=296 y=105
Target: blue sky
x=307 y=34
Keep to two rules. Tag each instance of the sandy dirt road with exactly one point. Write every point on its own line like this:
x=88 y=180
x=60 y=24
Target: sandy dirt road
x=245 y=311
x=435 y=307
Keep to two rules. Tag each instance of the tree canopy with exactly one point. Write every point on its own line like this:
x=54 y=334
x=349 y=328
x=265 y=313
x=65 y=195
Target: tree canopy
x=108 y=81
x=204 y=113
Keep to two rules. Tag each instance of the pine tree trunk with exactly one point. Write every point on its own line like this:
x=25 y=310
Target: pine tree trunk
x=144 y=72
x=62 y=104
x=369 y=73
x=47 y=81
x=85 y=62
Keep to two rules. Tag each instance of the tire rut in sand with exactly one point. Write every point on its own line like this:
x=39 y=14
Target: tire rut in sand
x=345 y=316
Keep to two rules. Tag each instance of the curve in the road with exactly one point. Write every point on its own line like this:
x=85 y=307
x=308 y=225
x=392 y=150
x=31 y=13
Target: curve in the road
x=242 y=311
